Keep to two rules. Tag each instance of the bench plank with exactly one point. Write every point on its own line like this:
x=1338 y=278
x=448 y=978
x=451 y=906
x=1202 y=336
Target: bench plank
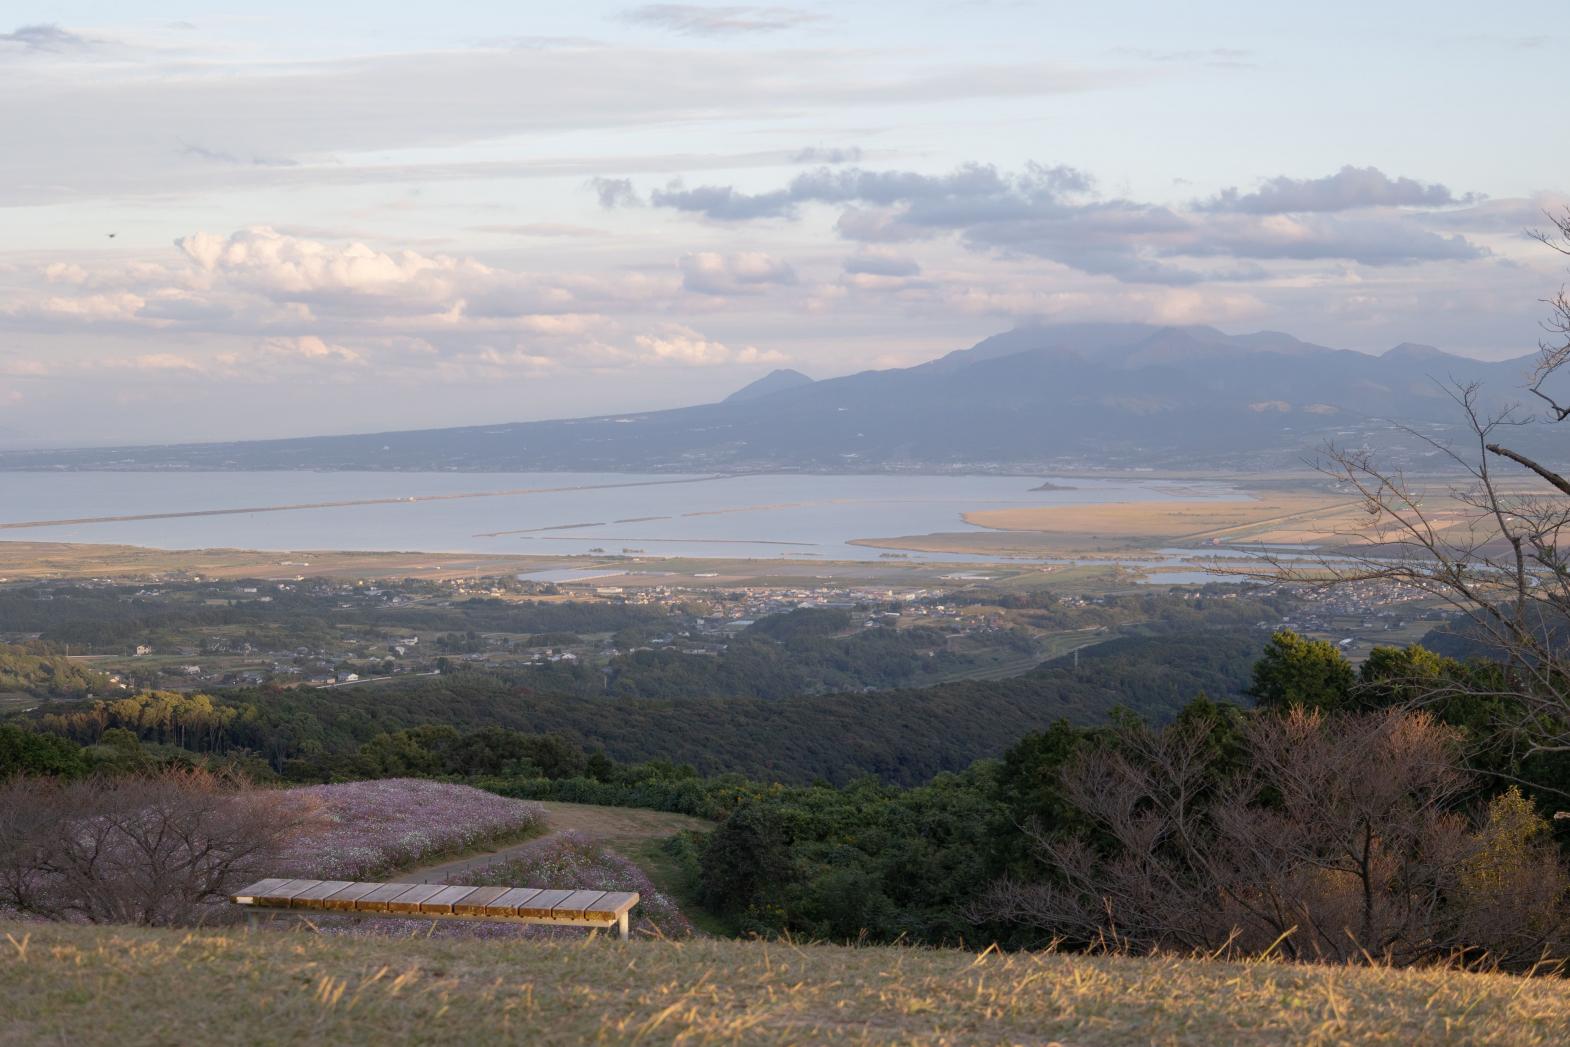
x=611 y=906
x=436 y=900
x=346 y=898
x=443 y=900
x=507 y=904
x=285 y=894
x=312 y=897
x=573 y=908
x=409 y=901
x=377 y=899
x=474 y=904
x=540 y=906
x=248 y=895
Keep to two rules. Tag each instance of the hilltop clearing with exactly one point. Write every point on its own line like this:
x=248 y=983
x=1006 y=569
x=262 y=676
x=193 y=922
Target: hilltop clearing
x=625 y=841
x=625 y=829
x=89 y=986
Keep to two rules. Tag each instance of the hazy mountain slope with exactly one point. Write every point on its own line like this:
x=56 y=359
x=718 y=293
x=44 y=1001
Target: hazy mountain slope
x=1104 y=394
x=773 y=382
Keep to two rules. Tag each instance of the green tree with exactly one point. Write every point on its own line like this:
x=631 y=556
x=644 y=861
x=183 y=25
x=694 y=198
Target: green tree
x=28 y=752
x=1403 y=675
x=1295 y=671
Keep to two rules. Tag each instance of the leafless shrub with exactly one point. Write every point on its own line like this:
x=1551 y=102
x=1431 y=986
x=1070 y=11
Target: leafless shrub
x=1336 y=839
x=160 y=849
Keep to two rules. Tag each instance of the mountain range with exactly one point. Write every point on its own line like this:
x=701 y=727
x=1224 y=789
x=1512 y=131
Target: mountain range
x=1113 y=395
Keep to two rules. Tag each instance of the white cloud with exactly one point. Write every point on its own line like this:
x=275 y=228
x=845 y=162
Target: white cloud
x=748 y=272
x=263 y=260
x=309 y=347
x=682 y=345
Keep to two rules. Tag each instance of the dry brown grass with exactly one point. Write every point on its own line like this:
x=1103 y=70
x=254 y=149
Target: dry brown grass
x=1177 y=520
x=1297 y=516
x=20 y=560
x=64 y=984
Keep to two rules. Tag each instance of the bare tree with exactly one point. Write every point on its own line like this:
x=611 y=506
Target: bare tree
x=1338 y=840
x=1497 y=558
x=159 y=849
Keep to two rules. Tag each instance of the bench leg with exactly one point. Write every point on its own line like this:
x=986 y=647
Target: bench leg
x=621 y=925
x=250 y=920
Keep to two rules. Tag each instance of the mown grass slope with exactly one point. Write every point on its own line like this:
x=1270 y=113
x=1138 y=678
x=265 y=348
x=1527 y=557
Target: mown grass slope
x=127 y=987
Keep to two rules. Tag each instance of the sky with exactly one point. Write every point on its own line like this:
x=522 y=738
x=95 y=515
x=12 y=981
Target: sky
x=297 y=218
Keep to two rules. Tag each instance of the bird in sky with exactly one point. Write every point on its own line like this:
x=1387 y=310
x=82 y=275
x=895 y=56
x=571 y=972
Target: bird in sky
x=112 y=235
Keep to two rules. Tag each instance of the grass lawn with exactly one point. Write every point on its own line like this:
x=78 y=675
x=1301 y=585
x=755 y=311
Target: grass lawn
x=128 y=987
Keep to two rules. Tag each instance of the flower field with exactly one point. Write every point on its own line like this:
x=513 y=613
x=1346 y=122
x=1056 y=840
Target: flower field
x=570 y=860
x=360 y=830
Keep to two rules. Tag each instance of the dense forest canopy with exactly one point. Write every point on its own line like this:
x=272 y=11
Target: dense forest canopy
x=903 y=736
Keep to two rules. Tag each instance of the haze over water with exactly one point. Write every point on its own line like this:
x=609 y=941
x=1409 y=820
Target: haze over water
x=549 y=514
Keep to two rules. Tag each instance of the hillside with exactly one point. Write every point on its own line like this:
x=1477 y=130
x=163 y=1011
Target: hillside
x=903 y=736
x=45 y=676
x=128 y=987
x=1100 y=394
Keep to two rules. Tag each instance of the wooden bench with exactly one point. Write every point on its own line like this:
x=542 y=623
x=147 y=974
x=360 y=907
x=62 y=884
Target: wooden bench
x=440 y=901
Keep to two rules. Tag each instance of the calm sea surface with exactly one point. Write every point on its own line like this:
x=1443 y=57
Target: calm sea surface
x=771 y=516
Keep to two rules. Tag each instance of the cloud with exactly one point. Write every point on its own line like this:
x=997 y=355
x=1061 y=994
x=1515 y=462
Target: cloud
x=682 y=345
x=1349 y=188
x=750 y=272
x=615 y=192
x=541 y=229
x=1372 y=240
x=874 y=262
x=825 y=155
x=309 y=347
x=725 y=20
x=1504 y=215
x=43 y=37
x=971 y=186
x=127 y=121
x=285 y=268
x=1053 y=213
x=265 y=306
x=222 y=157
x=161 y=362
x=262 y=280
x=723 y=203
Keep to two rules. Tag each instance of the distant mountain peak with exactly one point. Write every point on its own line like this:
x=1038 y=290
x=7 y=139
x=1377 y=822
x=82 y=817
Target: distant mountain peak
x=774 y=382
x=1040 y=398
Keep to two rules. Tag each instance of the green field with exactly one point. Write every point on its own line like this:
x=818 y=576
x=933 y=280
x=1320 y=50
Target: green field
x=129 y=987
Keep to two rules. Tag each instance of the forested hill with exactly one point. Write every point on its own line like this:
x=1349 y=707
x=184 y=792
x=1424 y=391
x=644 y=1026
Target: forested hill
x=45 y=675
x=901 y=736
x=1101 y=393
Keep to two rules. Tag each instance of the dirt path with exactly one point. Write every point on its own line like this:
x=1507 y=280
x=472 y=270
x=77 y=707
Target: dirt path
x=624 y=829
